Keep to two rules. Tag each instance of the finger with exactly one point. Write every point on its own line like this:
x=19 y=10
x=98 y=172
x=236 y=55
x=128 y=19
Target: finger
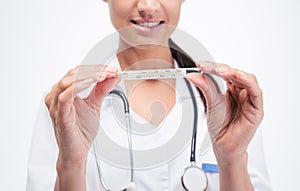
x=77 y=77
x=248 y=82
x=50 y=103
x=96 y=72
x=216 y=103
x=221 y=70
x=100 y=91
x=100 y=72
x=224 y=71
x=66 y=98
x=240 y=79
x=110 y=71
x=253 y=90
x=205 y=84
x=212 y=67
x=68 y=84
x=254 y=116
x=233 y=90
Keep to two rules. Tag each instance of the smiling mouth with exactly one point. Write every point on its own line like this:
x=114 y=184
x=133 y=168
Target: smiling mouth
x=147 y=24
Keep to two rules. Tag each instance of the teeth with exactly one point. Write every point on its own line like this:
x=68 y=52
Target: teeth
x=148 y=24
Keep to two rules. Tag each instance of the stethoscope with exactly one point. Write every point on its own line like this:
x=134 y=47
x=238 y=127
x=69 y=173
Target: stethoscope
x=192 y=178
x=131 y=185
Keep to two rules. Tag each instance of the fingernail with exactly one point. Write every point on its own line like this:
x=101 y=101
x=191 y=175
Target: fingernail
x=98 y=74
x=221 y=69
x=241 y=76
x=107 y=69
x=206 y=65
x=87 y=81
x=101 y=76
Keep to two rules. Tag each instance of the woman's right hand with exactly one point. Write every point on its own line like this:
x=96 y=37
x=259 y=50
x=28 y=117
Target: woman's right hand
x=76 y=120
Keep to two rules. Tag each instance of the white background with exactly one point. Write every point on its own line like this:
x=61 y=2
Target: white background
x=40 y=40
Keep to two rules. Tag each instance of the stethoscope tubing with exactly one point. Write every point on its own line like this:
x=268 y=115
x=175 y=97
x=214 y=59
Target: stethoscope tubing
x=128 y=125
x=129 y=135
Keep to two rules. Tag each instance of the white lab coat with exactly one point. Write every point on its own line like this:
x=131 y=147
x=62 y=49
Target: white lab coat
x=157 y=176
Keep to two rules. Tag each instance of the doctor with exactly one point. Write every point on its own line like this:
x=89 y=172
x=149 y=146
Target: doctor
x=67 y=124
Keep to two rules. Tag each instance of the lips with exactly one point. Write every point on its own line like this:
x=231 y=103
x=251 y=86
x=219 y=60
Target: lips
x=147 y=24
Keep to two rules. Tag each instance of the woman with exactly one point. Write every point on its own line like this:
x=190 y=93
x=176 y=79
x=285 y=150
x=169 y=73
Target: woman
x=76 y=120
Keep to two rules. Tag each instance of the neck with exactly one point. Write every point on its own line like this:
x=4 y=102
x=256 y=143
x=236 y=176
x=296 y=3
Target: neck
x=144 y=57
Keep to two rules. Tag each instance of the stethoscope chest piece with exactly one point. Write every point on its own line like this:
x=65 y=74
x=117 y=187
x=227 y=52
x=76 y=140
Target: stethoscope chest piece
x=194 y=179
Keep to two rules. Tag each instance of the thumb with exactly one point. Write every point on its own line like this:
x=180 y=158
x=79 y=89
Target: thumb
x=101 y=89
x=206 y=85
x=216 y=110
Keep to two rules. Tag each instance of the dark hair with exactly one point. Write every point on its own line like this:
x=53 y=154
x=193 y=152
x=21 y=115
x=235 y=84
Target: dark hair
x=184 y=61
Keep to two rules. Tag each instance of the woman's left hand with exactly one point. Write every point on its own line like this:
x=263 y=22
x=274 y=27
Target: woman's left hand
x=232 y=117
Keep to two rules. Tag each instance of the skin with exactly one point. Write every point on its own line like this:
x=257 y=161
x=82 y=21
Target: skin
x=71 y=115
